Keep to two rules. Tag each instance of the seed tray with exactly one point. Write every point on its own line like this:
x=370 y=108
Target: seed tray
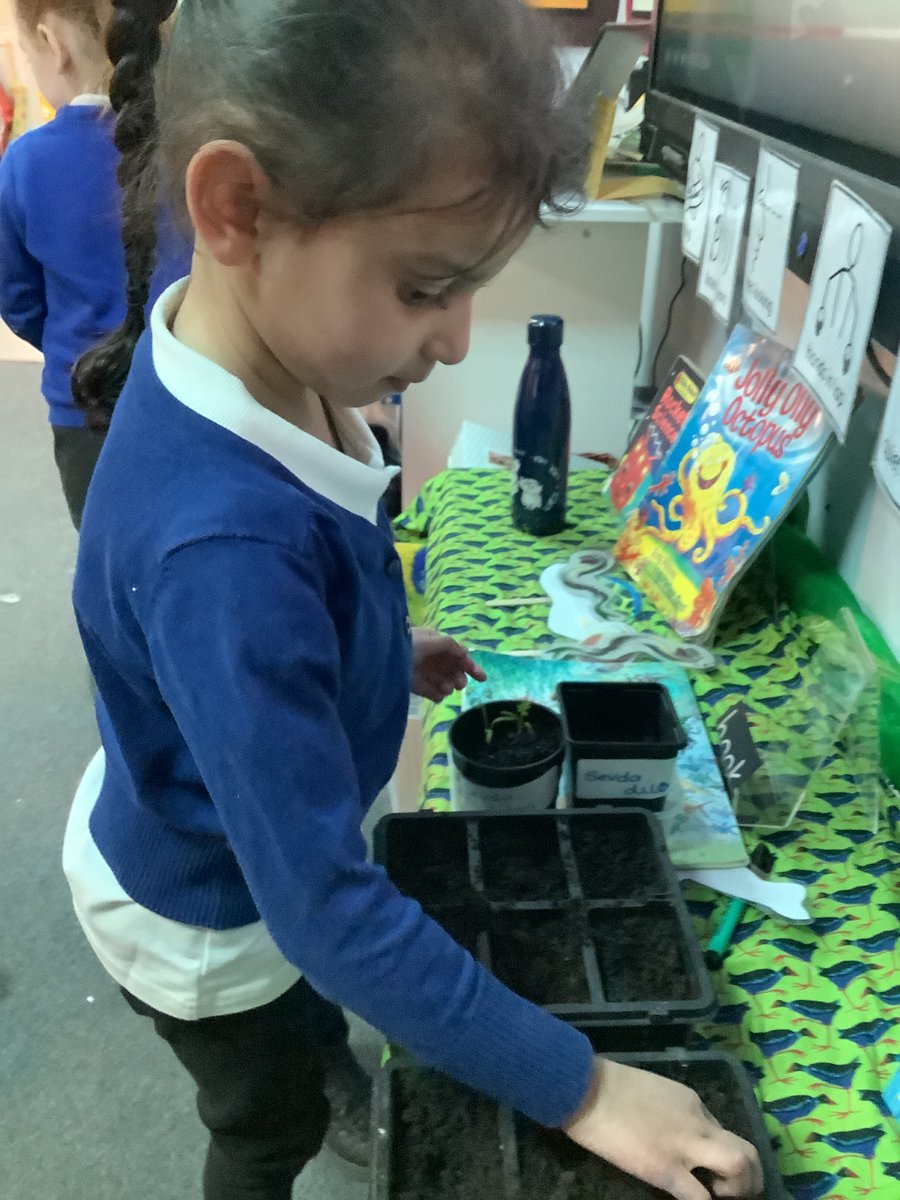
x=433 y=1138
x=579 y=911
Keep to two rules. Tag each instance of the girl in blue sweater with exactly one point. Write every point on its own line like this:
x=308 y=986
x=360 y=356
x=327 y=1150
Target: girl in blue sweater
x=62 y=262
x=353 y=171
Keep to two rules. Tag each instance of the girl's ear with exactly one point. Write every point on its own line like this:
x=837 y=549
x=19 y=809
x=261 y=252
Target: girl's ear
x=52 y=38
x=226 y=192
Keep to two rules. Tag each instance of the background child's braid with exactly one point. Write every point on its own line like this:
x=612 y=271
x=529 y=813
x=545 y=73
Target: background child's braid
x=134 y=44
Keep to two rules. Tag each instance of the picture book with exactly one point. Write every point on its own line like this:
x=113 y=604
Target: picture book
x=748 y=445
x=698 y=821
x=653 y=437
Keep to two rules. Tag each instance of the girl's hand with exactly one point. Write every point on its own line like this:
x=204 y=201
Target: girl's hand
x=440 y=665
x=658 y=1130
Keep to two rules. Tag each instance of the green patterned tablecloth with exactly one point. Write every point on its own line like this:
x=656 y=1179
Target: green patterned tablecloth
x=812 y=1010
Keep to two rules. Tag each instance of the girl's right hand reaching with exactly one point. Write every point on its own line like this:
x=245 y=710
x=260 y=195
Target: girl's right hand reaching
x=658 y=1130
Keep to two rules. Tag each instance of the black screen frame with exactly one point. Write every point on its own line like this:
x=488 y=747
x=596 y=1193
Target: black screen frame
x=855 y=156
x=666 y=140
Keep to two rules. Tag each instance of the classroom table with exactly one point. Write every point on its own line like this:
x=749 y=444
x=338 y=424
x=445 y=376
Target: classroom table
x=810 y=1009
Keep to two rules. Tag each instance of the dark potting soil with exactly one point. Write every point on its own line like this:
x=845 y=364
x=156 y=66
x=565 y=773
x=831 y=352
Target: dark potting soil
x=617 y=862
x=446 y=1144
x=429 y=859
x=640 y=955
x=512 y=747
x=539 y=955
x=553 y=1168
x=521 y=859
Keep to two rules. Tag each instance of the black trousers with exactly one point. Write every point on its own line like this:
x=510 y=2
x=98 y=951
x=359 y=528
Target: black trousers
x=76 y=452
x=259 y=1088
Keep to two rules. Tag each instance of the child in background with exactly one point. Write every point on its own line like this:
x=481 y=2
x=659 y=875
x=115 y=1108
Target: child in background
x=353 y=170
x=62 y=262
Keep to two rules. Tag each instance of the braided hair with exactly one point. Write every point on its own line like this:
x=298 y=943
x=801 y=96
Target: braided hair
x=133 y=43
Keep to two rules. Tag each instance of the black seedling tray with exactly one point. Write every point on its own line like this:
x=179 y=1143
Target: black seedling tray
x=433 y=1138
x=578 y=911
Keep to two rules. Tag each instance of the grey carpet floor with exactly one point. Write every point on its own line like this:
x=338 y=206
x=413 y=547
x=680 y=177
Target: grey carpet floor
x=92 y=1107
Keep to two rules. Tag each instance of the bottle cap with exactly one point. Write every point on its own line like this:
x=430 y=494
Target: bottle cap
x=545 y=331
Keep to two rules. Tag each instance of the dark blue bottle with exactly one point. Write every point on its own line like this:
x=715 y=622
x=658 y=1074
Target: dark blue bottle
x=541 y=427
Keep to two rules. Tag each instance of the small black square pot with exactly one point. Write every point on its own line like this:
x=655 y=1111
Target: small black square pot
x=622 y=742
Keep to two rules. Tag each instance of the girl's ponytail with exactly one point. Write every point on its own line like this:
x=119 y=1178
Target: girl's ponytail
x=134 y=43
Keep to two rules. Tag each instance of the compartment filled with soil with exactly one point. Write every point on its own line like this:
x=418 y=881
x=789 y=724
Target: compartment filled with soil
x=540 y=955
x=617 y=859
x=552 y=1167
x=427 y=858
x=445 y=1142
x=640 y=954
x=521 y=860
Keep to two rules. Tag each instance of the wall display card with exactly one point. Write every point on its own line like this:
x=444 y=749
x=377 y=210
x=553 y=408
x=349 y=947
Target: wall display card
x=774 y=201
x=887 y=452
x=722 y=248
x=701 y=162
x=842 y=298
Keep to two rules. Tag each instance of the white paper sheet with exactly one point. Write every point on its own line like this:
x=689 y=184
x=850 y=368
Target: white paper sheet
x=704 y=144
x=842 y=298
x=721 y=251
x=774 y=201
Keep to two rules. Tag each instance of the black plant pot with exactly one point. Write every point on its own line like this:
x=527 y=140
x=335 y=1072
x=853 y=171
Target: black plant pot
x=517 y=770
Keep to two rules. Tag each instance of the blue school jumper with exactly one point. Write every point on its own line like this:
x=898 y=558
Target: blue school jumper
x=62 y=265
x=243 y=610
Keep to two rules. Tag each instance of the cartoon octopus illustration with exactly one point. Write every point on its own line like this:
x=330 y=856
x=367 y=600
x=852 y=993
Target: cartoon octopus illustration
x=704 y=476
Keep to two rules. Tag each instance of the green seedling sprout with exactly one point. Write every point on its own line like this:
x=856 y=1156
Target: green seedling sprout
x=518 y=718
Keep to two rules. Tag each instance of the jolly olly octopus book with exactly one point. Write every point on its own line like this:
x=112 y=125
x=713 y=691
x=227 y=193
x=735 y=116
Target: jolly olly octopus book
x=652 y=439
x=746 y=448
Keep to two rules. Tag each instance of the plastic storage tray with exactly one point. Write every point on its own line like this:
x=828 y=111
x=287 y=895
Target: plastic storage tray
x=471 y=1147
x=579 y=911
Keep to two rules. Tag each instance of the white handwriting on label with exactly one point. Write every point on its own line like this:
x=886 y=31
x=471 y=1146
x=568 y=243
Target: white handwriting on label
x=732 y=767
x=727 y=757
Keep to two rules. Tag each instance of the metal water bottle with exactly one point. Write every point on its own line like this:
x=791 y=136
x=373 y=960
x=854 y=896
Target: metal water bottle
x=541 y=427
